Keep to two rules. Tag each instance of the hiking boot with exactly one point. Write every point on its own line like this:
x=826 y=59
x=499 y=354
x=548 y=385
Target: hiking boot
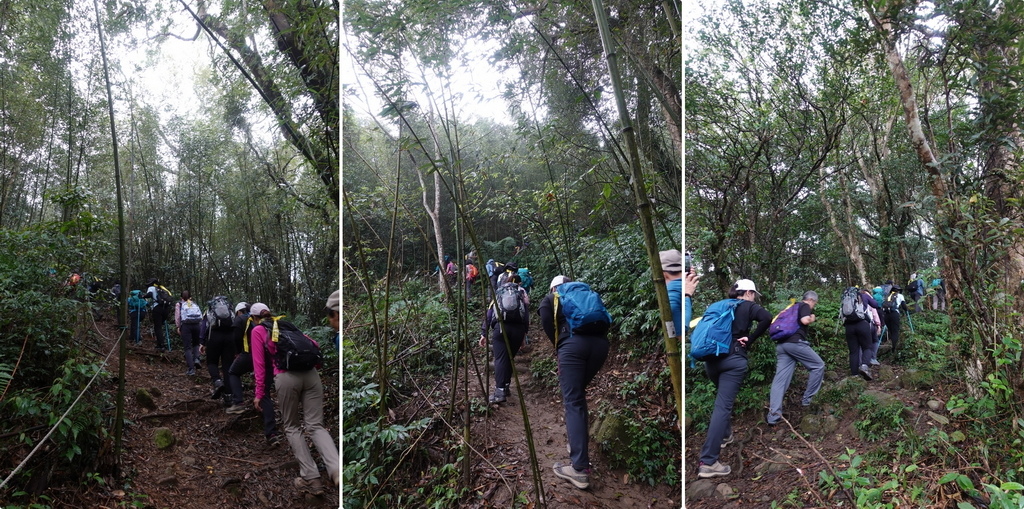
x=237 y=408
x=312 y=486
x=874 y=362
x=191 y=372
x=578 y=478
x=719 y=469
x=274 y=440
x=218 y=388
x=497 y=397
x=865 y=373
x=730 y=439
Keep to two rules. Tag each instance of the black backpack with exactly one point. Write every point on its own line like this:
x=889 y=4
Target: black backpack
x=163 y=296
x=295 y=350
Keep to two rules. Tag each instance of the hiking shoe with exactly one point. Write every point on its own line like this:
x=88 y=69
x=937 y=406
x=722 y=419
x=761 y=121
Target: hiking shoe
x=865 y=373
x=874 y=362
x=578 y=478
x=191 y=372
x=730 y=439
x=312 y=486
x=274 y=439
x=719 y=469
x=497 y=397
x=218 y=388
x=237 y=408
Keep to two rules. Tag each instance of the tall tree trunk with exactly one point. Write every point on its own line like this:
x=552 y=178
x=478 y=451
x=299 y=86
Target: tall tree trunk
x=847 y=236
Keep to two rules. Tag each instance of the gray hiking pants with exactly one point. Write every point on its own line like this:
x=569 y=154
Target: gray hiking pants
x=787 y=356
x=727 y=374
x=304 y=387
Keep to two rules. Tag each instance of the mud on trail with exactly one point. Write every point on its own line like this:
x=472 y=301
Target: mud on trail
x=219 y=460
x=501 y=438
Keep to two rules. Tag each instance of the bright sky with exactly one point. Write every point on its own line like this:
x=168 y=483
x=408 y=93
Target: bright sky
x=475 y=89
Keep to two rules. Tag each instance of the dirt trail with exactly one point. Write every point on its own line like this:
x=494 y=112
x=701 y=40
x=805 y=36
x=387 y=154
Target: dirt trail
x=219 y=460
x=503 y=438
x=773 y=465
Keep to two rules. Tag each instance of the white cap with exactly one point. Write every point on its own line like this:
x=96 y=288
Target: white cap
x=558 y=280
x=746 y=284
x=240 y=306
x=258 y=308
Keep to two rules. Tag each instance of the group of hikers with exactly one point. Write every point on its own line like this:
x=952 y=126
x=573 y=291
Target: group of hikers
x=575 y=320
x=723 y=337
x=242 y=339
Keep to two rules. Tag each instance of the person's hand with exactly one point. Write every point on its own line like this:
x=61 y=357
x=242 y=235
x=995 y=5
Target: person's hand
x=813 y=319
x=256 y=403
x=743 y=341
x=483 y=340
x=690 y=283
x=202 y=349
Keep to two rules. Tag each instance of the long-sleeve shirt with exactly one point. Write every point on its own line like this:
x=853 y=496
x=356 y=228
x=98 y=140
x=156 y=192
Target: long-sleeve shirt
x=675 y=299
x=546 y=310
x=747 y=312
x=263 y=351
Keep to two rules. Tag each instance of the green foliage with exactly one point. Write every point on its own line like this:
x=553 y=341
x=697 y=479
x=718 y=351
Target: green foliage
x=879 y=420
x=643 y=457
x=545 y=371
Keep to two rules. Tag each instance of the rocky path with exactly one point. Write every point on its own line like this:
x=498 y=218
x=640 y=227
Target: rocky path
x=217 y=460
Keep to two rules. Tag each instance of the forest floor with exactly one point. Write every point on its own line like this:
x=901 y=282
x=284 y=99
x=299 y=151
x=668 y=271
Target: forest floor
x=219 y=460
x=501 y=435
x=781 y=465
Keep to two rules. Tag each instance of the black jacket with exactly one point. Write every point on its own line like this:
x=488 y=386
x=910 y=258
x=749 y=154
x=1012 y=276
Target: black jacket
x=747 y=312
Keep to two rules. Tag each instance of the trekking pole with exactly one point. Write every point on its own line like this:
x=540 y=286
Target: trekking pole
x=910 y=321
x=167 y=335
x=885 y=330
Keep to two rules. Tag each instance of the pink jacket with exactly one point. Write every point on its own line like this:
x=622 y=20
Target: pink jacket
x=263 y=351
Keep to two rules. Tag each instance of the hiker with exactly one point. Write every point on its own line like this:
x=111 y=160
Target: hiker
x=672 y=271
x=450 y=270
x=792 y=350
x=513 y=303
x=727 y=373
x=293 y=388
x=915 y=290
x=160 y=307
x=580 y=357
x=494 y=269
x=187 y=315
x=136 y=314
x=472 y=274
x=876 y=329
x=525 y=278
x=334 y=316
x=242 y=327
x=509 y=269
x=893 y=305
x=939 y=294
x=217 y=343
x=858 y=330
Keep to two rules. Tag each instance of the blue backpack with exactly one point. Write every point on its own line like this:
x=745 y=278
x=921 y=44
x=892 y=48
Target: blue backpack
x=712 y=337
x=583 y=309
x=785 y=323
x=526 y=279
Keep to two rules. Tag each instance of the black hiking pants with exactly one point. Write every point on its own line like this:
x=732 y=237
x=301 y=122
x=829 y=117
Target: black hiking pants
x=502 y=356
x=858 y=340
x=220 y=353
x=892 y=327
x=159 y=317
